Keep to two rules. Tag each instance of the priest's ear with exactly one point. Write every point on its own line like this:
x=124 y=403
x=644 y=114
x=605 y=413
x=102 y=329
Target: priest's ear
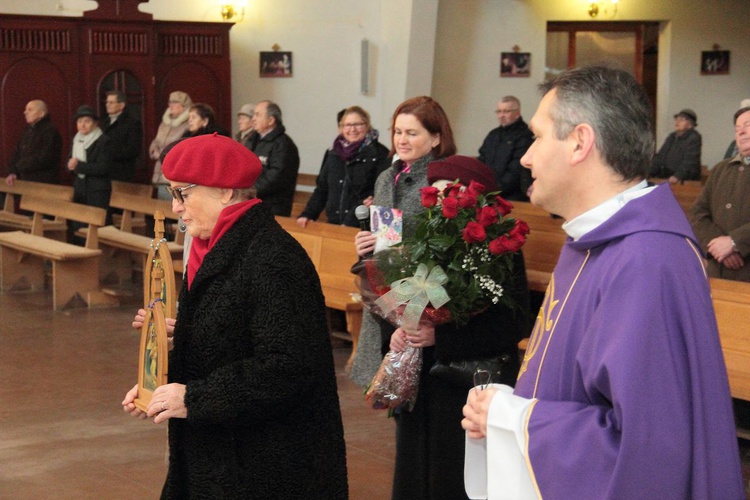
x=584 y=142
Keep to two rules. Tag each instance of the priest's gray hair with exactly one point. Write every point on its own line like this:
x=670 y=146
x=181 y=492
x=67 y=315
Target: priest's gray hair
x=615 y=105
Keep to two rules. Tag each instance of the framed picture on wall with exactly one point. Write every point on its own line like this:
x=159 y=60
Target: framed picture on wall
x=275 y=64
x=515 y=63
x=715 y=62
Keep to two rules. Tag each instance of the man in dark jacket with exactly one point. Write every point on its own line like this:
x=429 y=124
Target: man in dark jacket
x=503 y=148
x=126 y=134
x=38 y=153
x=679 y=158
x=279 y=157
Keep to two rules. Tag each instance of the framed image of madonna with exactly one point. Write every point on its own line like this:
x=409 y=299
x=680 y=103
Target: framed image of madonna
x=159 y=298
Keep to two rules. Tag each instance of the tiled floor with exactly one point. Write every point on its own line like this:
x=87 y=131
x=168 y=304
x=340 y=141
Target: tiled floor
x=63 y=434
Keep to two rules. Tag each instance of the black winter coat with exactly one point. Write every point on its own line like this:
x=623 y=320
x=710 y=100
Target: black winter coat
x=91 y=183
x=126 y=145
x=37 y=155
x=680 y=155
x=502 y=151
x=278 y=180
x=342 y=186
x=429 y=439
x=252 y=347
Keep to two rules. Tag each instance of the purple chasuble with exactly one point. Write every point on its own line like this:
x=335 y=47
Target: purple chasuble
x=625 y=361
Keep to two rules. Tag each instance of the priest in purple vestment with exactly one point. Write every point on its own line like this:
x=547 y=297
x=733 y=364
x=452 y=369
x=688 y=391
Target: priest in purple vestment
x=623 y=392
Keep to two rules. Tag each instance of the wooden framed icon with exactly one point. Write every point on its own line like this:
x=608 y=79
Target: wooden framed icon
x=159 y=300
x=715 y=62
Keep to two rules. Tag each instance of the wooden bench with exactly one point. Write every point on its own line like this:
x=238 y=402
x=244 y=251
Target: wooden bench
x=11 y=219
x=75 y=269
x=686 y=193
x=124 y=250
x=543 y=246
x=731 y=301
x=305 y=186
x=331 y=249
x=138 y=222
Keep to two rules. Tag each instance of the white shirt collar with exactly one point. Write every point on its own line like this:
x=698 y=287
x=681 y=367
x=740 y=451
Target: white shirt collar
x=590 y=220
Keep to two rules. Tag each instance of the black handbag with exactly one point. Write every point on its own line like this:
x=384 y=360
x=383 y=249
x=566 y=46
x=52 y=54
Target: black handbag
x=461 y=373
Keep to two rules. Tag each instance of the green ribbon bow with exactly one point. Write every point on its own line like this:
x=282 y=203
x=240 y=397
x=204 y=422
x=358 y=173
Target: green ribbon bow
x=416 y=292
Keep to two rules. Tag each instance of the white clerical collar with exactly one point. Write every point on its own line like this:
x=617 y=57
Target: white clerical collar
x=588 y=221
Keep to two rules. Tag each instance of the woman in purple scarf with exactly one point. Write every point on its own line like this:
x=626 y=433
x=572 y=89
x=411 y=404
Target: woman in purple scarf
x=347 y=175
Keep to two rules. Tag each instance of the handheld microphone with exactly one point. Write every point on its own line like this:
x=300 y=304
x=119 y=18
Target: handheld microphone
x=363 y=216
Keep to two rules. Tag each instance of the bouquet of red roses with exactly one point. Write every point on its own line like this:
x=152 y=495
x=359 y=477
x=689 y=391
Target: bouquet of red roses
x=456 y=264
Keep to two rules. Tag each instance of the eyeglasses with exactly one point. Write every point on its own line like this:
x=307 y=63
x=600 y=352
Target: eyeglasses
x=175 y=102
x=177 y=192
x=353 y=125
x=502 y=111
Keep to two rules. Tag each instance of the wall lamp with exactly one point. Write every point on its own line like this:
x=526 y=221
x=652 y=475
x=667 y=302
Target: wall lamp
x=594 y=8
x=233 y=9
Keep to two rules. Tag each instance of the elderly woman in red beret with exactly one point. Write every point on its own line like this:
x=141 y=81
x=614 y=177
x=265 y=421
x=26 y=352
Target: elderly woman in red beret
x=251 y=400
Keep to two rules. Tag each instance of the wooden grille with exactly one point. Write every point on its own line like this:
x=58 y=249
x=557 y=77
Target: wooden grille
x=118 y=42
x=191 y=45
x=34 y=40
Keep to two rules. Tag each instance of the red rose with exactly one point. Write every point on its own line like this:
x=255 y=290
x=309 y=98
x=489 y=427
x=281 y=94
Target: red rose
x=450 y=207
x=503 y=206
x=520 y=229
x=501 y=244
x=487 y=216
x=429 y=196
x=475 y=188
x=452 y=190
x=474 y=233
x=467 y=200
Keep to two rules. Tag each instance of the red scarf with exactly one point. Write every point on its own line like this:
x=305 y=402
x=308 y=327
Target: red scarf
x=199 y=248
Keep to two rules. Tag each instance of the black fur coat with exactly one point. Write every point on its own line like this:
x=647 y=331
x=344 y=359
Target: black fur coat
x=252 y=347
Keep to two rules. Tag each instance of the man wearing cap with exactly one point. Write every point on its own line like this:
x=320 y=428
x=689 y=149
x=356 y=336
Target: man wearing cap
x=503 y=148
x=126 y=134
x=245 y=124
x=721 y=214
x=279 y=157
x=679 y=158
x=251 y=402
x=37 y=155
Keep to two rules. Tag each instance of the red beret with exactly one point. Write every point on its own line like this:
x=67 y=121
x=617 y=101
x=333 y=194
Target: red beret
x=463 y=168
x=212 y=160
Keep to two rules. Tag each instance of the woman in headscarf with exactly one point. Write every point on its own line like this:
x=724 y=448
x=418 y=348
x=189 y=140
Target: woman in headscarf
x=251 y=400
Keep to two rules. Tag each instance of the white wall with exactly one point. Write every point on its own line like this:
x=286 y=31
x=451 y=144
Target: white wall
x=471 y=35
x=449 y=49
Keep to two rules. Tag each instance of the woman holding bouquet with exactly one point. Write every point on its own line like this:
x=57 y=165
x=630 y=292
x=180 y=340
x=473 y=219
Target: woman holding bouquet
x=420 y=132
x=429 y=438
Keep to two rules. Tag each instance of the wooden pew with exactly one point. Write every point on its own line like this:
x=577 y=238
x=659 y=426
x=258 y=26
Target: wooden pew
x=686 y=193
x=331 y=249
x=75 y=269
x=11 y=219
x=124 y=250
x=138 y=223
x=305 y=186
x=543 y=246
x=731 y=301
